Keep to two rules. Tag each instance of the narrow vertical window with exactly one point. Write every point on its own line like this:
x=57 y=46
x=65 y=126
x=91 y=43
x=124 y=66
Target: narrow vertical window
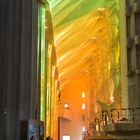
x=129 y=60
x=83 y=106
x=83 y=94
x=138 y=57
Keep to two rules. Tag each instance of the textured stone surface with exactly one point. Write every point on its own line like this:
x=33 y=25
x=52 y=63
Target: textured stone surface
x=18 y=48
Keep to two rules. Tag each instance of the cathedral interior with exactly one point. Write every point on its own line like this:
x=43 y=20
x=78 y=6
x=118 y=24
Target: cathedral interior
x=69 y=69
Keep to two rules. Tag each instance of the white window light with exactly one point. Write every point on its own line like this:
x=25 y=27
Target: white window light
x=83 y=129
x=83 y=94
x=83 y=106
x=66 y=137
x=66 y=105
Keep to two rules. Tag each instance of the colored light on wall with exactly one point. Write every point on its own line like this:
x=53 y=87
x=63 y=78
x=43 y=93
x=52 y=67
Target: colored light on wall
x=41 y=35
x=87 y=39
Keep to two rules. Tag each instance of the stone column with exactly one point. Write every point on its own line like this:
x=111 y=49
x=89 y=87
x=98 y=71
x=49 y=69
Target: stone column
x=130 y=53
x=18 y=69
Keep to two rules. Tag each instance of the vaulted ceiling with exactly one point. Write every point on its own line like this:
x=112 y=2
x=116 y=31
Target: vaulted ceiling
x=86 y=35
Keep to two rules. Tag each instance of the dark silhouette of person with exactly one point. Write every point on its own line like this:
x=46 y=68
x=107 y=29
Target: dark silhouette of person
x=34 y=137
x=48 y=138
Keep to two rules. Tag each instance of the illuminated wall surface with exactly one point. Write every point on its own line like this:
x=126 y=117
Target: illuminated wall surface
x=42 y=43
x=86 y=35
x=87 y=41
x=48 y=72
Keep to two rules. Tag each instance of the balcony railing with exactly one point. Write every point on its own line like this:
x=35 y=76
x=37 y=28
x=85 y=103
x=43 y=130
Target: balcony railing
x=123 y=115
x=116 y=121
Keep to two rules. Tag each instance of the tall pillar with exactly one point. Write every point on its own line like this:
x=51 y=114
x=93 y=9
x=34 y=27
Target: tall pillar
x=124 y=70
x=3 y=63
x=18 y=57
x=130 y=52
